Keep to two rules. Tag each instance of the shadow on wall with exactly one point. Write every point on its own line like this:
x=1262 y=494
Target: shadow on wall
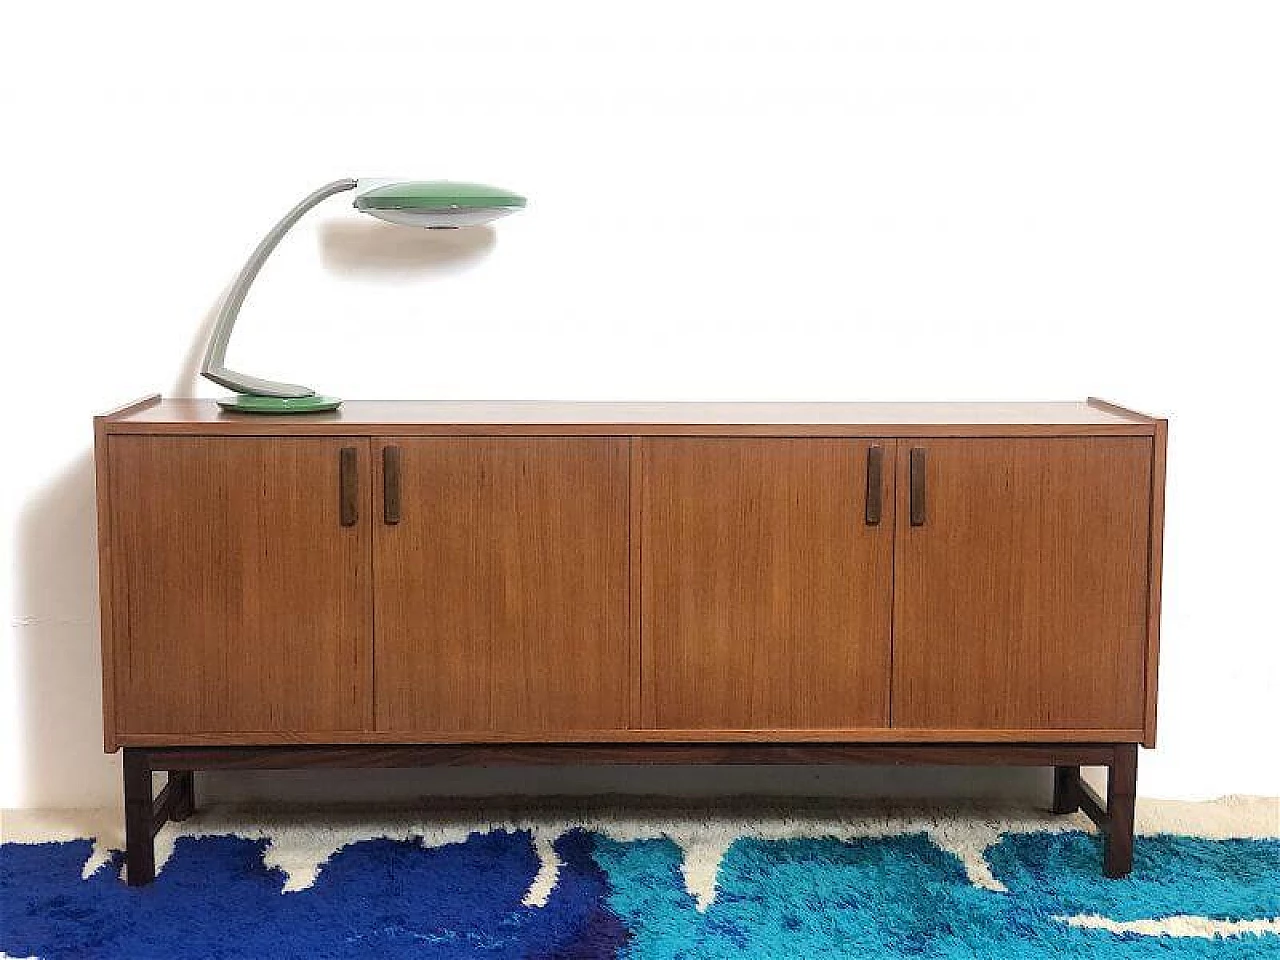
x=61 y=762
x=58 y=662
x=371 y=247
x=59 y=686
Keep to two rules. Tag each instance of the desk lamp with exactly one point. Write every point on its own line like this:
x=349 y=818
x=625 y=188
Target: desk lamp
x=434 y=204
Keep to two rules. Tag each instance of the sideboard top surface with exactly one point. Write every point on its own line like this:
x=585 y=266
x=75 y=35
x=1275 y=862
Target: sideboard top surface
x=427 y=418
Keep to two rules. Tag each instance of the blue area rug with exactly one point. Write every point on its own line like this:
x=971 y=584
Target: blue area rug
x=892 y=896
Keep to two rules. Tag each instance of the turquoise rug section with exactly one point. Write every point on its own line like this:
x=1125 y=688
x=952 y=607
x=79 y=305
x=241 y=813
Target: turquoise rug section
x=898 y=896
x=905 y=897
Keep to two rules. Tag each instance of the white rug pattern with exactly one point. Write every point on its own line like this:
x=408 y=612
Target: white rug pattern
x=301 y=839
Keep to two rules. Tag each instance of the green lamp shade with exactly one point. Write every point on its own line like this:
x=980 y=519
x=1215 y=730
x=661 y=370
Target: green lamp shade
x=438 y=203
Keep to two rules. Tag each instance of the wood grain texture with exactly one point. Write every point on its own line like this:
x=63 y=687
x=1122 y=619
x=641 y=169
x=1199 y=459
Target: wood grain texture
x=502 y=591
x=1159 y=455
x=1022 y=601
x=102 y=503
x=239 y=601
x=414 y=418
x=139 y=813
x=106 y=629
x=1048 y=608
x=415 y=755
x=635 y=715
x=530 y=738
x=766 y=597
x=1122 y=790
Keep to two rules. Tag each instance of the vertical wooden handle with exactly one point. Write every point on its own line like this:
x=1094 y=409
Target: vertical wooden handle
x=348 y=486
x=391 y=485
x=875 y=474
x=917 y=486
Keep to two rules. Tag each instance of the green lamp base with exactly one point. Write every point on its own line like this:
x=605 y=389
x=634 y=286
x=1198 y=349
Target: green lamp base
x=253 y=403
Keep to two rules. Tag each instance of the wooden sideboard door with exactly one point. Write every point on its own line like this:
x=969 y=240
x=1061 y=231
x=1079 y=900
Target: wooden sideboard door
x=766 y=582
x=241 y=585
x=1021 y=583
x=501 y=570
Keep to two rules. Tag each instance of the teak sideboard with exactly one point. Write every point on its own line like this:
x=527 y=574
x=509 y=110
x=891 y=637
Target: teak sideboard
x=401 y=584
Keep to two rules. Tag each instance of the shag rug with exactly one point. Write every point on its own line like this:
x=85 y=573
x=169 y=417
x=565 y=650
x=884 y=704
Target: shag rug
x=647 y=880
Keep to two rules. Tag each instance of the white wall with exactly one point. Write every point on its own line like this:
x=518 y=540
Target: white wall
x=733 y=201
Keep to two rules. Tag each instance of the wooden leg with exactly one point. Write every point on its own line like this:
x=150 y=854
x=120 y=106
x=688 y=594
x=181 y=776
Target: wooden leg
x=1066 y=791
x=139 y=856
x=1122 y=788
x=145 y=815
x=182 y=783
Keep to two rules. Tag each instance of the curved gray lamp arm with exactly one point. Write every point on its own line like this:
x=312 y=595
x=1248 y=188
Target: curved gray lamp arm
x=215 y=355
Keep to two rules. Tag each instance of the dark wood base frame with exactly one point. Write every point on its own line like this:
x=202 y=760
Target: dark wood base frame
x=144 y=816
